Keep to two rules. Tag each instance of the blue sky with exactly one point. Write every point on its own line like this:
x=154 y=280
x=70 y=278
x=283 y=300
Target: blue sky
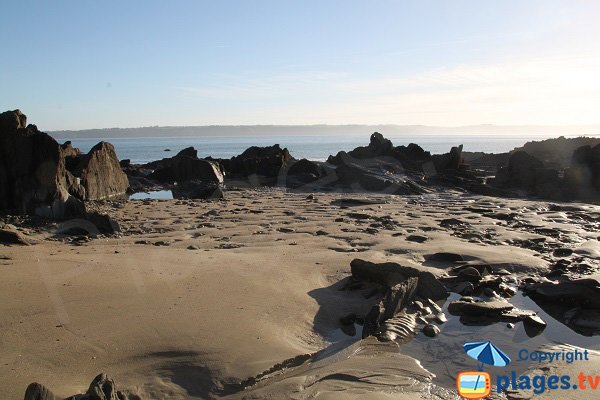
x=92 y=64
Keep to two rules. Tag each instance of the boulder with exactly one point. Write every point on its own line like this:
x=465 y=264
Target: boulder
x=100 y=173
x=32 y=171
x=185 y=168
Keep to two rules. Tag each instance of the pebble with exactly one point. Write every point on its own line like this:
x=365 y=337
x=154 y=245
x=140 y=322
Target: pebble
x=431 y=330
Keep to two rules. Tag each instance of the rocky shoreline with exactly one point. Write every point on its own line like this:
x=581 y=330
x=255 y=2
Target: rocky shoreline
x=438 y=239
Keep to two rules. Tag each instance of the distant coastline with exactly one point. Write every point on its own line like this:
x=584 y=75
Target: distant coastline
x=322 y=130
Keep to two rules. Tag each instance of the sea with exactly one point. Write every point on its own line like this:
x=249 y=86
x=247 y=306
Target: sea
x=317 y=148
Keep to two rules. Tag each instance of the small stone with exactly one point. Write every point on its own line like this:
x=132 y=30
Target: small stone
x=286 y=230
x=564 y=252
x=431 y=330
x=440 y=318
x=417 y=238
x=510 y=325
x=193 y=247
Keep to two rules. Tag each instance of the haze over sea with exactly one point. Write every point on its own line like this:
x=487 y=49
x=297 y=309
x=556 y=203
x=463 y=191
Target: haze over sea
x=318 y=148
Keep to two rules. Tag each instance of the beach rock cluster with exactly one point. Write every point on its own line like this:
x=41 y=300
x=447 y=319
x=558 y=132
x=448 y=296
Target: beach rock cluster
x=101 y=388
x=38 y=176
x=33 y=178
x=405 y=298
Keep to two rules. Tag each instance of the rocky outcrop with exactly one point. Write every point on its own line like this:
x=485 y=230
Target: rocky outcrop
x=32 y=171
x=411 y=157
x=264 y=161
x=100 y=174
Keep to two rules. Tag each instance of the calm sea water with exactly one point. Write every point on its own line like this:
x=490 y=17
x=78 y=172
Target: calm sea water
x=142 y=150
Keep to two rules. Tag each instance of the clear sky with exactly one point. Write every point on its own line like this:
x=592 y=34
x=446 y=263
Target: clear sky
x=91 y=64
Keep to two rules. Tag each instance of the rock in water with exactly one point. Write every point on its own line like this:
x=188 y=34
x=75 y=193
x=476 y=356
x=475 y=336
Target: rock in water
x=100 y=173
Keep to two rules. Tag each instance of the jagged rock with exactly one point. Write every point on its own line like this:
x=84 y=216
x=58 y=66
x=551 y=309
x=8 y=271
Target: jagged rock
x=265 y=161
x=396 y=299
x=68 y=150
x=411 y=157
x=100 y=173
x=37 y=391
x=32 y=171
x=12 y=120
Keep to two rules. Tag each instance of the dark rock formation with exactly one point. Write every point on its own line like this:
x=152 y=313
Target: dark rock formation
x=68 y=150
x=410 y=157
x=448 y=161
x=582 y=178
x=265 y=161
x=32 y=171
x=185 y=168
x=100 y=173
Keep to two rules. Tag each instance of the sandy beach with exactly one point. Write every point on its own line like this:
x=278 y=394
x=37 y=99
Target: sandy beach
x=193 y=297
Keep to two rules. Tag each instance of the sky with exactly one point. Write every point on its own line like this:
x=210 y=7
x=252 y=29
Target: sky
x=98 y=64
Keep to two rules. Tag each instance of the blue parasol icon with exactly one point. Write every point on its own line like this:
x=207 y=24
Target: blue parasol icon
x=486 y=353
